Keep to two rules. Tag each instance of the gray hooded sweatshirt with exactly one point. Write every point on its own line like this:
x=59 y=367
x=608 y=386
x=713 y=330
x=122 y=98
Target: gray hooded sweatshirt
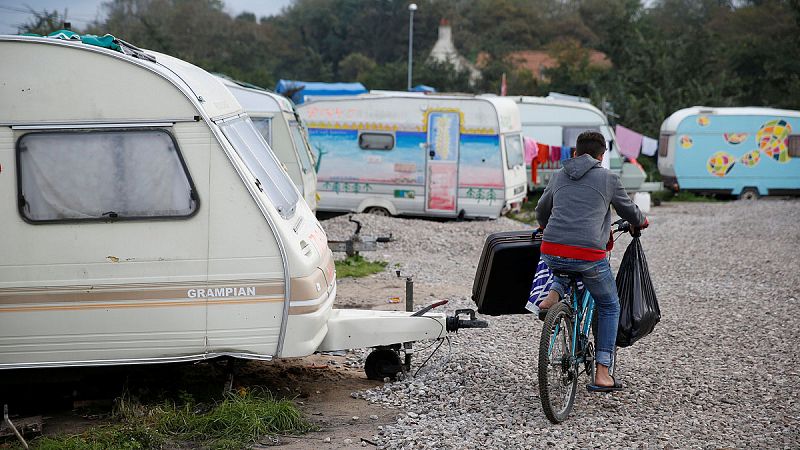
x=574 y=209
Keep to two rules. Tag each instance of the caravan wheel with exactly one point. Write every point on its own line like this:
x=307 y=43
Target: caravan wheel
x=378 y=211
x=382 y=363
x=749 y=194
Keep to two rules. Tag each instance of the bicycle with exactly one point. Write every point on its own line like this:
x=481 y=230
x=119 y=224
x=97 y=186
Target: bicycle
x=566 y=347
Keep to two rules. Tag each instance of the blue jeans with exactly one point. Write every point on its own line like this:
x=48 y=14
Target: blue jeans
x=599 y=280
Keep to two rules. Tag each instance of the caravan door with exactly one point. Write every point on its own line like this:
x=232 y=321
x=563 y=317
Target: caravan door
x=441 y=180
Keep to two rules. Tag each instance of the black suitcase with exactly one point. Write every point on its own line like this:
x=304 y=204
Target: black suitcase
x=505 y=272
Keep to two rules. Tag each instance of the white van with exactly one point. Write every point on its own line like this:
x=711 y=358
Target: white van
x=144 y=219
x=407 y=153
x=274 y=116
x=559 y=122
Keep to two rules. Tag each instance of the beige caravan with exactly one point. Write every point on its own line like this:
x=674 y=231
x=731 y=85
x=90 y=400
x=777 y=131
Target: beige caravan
x=274 y=116
x=144 y=219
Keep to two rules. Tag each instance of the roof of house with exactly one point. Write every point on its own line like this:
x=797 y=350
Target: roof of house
x=538 y=60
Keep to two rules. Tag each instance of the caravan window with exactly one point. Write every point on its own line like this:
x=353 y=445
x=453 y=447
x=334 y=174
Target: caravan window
x=514 y=154
x=258 y=157
x=264 y=127
x=663 y=145
x=102 y=175
x=794 y=146
x=570 y=135
x=301 y=146
x=376 y=141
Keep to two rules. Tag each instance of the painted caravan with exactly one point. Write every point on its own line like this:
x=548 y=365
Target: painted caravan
x=428 y=155
x=144 y=219
x=558 y=122
x=746 y=152
x=275 y=117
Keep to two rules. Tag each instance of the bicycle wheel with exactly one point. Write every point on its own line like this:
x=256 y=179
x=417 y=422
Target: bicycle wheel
x=558 y=373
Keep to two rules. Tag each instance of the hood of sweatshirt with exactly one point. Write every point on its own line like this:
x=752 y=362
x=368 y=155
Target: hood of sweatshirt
x=575 y=168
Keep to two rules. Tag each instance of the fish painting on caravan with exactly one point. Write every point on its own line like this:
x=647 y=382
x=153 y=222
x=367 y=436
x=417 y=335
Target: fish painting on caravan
x=427 y=155
x=745 y=152
x=275 y=117
x=144 y=219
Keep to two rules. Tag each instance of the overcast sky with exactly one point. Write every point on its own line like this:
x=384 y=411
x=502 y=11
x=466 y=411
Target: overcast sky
x=80 y=12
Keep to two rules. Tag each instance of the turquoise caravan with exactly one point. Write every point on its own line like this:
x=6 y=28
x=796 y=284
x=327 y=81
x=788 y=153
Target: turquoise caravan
x=745 y=152
x=416 y=154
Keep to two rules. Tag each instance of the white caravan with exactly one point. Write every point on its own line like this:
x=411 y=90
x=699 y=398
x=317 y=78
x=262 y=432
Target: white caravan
x=559 y=122
x=144 y=219
x=429 y=155
x=274 y=116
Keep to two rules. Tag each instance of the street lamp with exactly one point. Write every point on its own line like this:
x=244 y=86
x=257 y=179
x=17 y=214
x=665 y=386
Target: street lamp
x=411 y=8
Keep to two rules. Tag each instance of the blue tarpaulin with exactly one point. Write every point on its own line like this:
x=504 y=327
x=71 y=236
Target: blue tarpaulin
x=305 y=89
x=422 y=88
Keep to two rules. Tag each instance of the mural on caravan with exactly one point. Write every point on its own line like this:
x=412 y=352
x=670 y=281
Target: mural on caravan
x=408 y=153
x=733 y=151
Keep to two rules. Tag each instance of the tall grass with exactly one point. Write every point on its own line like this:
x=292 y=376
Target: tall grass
x=237 y=421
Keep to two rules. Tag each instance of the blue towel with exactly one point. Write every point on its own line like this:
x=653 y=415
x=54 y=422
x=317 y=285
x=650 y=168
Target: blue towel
x=566 y=153
x=541 y=286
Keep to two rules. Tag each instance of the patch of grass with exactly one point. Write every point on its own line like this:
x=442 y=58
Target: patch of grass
x=117 y=436
x=527 y=214
x=356 y=266
x=682 y=196
x=237 y=421
x=243 y=417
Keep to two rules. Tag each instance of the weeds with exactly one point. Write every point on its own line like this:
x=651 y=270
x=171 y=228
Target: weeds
x=117 y=436
x=527 y=213
x=356 y=266
x=237 y=421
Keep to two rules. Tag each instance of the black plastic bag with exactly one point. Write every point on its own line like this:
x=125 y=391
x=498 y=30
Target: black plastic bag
x=639 y=312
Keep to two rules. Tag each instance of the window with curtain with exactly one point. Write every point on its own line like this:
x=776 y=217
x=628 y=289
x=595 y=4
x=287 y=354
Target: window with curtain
x=102 y=175
x=264 y=127
x=514 y=153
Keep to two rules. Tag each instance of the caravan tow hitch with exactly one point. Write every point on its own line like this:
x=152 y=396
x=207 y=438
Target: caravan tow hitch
x=455 y=323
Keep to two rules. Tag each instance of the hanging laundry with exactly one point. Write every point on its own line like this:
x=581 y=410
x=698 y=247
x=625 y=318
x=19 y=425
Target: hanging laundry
x=555 y=153
x=531 y=149
x=543 y=154
x=566 y=153
x=649 y=146
x=629 y=142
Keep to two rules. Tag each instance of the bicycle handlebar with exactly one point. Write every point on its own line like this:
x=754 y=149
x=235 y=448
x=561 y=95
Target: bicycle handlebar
x=623 y=226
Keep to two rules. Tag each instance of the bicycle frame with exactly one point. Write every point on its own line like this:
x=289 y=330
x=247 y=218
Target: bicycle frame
x=582 y=313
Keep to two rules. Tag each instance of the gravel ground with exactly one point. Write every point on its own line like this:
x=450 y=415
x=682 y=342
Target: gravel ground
x=717 y=372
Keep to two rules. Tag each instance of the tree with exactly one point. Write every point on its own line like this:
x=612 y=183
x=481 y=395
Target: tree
x=43 y=22
x=355 y=66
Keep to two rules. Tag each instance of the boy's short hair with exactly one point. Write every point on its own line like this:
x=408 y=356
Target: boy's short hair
x=590 y=143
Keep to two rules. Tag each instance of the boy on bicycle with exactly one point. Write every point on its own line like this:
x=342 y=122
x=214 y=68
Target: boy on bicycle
x=575 y=216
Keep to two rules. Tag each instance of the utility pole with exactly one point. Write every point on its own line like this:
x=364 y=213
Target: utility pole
x=411 y=8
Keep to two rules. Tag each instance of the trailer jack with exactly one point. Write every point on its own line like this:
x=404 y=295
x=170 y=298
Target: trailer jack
x=10 y=424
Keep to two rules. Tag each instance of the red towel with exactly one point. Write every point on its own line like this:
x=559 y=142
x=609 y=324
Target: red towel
x=555 y=153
